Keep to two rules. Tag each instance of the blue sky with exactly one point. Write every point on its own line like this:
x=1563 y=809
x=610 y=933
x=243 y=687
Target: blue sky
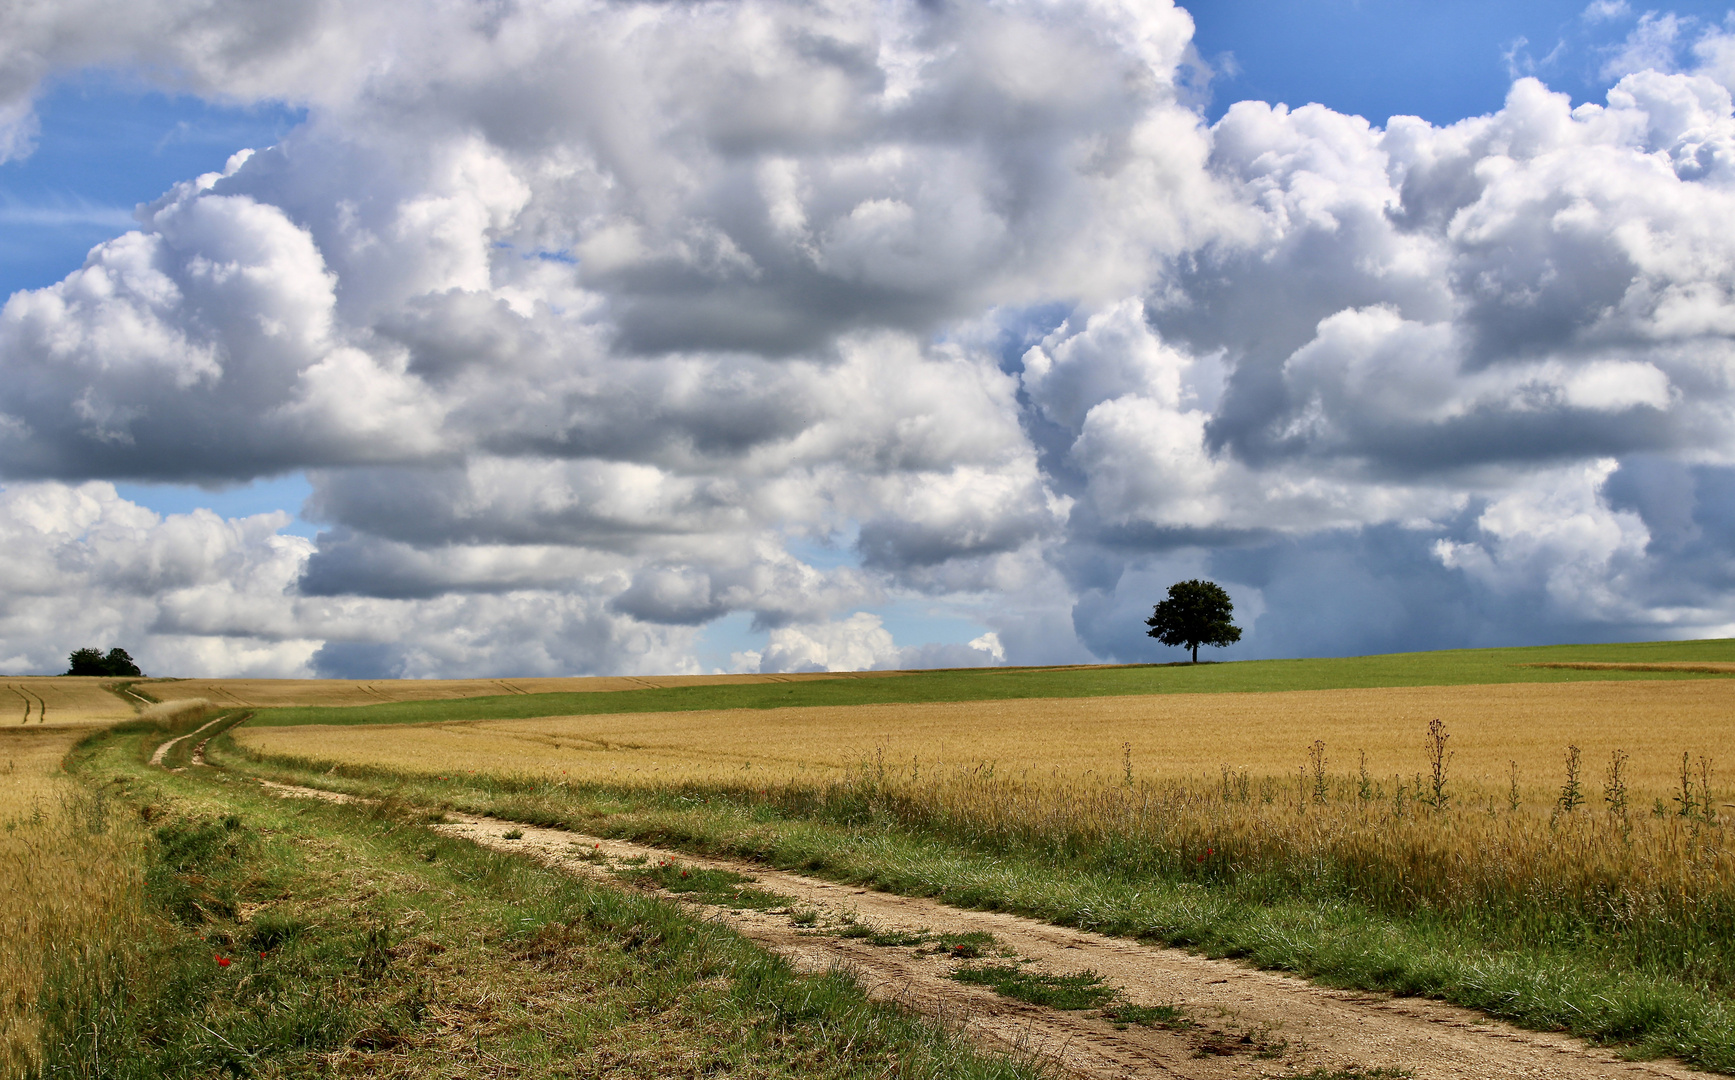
x=106 y=145
x=1442 y=61
x=1018 y=389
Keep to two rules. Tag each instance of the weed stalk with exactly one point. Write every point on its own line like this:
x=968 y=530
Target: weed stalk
x=1572 y=792
x=1438 y=758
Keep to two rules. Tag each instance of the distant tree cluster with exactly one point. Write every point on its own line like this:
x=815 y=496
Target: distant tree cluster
x=93 y=662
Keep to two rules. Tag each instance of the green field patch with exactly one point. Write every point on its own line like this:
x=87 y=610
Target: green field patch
x=1457 y=667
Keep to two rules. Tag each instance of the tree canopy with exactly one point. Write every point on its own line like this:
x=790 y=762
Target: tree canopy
x=93 y=662
x=1196 y=613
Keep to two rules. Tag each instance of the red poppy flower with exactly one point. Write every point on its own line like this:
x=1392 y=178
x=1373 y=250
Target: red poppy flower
x=222 y=961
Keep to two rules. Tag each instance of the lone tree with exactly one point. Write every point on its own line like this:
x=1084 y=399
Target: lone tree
x=93 y=662
x=1196 y=613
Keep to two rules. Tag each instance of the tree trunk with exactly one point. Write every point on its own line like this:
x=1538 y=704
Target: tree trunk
x=1195 y=653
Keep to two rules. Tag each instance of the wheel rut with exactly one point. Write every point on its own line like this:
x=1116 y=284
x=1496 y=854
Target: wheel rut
x=162 y=751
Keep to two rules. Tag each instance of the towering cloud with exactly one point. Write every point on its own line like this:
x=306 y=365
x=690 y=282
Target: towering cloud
x=592 y=325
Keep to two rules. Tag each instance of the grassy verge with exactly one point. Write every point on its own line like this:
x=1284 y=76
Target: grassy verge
x=1648 y=966
x=276 y=937
x=1461 y=667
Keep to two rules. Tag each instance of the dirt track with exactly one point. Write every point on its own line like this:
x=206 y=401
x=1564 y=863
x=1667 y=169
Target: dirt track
x=1247 y=1023
x=162 y=751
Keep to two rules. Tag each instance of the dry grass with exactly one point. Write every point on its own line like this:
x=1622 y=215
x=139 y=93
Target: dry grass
x=58 y=700
x=272 y=693
x=176 y=710
x=65 y=887
x=1170 y=736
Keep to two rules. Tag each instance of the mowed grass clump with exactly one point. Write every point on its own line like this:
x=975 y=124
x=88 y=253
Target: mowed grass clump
x=1078 y=990
x=968 y=945
x=721 y=887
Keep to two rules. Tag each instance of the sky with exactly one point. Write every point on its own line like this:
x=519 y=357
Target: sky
x=467 y=339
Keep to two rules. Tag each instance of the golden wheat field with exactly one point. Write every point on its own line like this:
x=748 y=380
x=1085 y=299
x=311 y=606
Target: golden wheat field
x=30 y=763
x=270 y=693
x=1162 y=736
x=1271 y=782
x=56 y=700
x=65 y=874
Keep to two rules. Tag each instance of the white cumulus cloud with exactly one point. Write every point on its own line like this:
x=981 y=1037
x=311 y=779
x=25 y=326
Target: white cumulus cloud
x=591 y=326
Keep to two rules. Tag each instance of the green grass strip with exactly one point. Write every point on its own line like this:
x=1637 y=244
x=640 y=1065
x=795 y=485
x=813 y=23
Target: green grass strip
x=1460 y=667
